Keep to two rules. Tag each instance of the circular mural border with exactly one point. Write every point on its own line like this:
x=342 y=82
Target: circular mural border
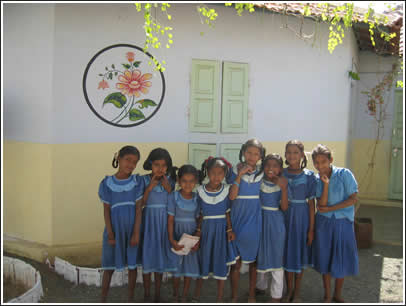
x=90 y=104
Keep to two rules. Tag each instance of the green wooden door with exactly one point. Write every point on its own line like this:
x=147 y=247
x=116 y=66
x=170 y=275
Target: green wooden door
x=204 y=96
x=396 y=169
x=234 y=110
x=230 y=151
x=199 y=152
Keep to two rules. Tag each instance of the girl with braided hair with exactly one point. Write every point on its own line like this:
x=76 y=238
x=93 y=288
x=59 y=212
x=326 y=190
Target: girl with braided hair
x=217 y=250
x=246 y=215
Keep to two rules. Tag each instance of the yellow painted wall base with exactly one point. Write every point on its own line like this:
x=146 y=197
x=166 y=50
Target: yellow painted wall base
x=373 y=183
x=68 y=217
x=84 y=255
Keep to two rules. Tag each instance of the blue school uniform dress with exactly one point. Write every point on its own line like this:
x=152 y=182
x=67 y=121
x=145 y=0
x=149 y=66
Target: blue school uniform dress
x=156 y=249
x=246 y=216
x=272 y=242
x=121 y=195
x=185 y=212
x=301 y=187
x=335 y=246
x=216 y=253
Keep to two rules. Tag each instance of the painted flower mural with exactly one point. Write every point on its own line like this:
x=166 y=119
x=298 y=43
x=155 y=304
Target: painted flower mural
x=132 y=91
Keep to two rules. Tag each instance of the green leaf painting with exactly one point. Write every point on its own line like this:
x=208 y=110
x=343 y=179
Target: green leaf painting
x=146 y=102
x=136 y=114
x=126 y=66
x=116 y=98
x=136 y=64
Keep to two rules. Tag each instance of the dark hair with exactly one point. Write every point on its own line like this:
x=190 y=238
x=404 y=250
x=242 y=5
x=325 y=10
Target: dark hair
x=212 y=162
x=161 y=154
x=257 y=144
x=301 y=148
x=321 y=150
x=275 y=157
x=125 y=151
x=188 y=169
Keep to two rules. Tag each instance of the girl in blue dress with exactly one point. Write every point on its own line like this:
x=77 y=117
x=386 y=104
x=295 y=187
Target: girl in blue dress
x=299 y=218
x=183 y=212
x=121 y=195
x=246 y=213
x=273 y=196
x=157 y=256
x=335 y=248
x=217 y=250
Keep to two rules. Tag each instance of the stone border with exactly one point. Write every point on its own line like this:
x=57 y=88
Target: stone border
x=20 y=271
x=94 y=276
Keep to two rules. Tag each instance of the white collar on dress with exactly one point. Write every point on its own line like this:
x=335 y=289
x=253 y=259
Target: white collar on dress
x=204 y=194
x=269 y=189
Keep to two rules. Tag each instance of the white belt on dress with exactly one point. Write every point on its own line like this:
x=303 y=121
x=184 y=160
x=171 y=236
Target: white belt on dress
x=214 y=217
x=248 y=197
x=270 y=208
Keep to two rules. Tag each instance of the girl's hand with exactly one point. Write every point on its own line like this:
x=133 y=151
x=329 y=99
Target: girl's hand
x=310 y=236
x=165 y=183
x=323 y=209
x=135 y=240
x=282 y=182
x=243 y=169
x=154 y=181
x=231 y=236
x=111 y=239
x=196 y=247
x=177 y=246
x=324 y=178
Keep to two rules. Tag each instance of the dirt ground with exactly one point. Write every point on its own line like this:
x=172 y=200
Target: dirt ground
x=12 y=290
x=380 y=281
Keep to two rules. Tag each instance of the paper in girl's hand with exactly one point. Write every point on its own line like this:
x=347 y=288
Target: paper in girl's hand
x=188 y=241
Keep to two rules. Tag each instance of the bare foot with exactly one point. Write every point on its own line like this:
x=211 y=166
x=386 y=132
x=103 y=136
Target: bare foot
x=252 y=300
x=338 y=299
x=272 y=300
x=219 y=300
x=297 y=299
x=327 y=299
x=234 y=299
x=183 y=299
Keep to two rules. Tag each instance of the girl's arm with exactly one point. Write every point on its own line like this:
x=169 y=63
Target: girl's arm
x=107 y=221
x=135 y=239
x=236 y=184
x=174 y=243
x=324 y=196
x=230 y=233
x=198 y=232
x=283 y=185
x=147 y=191
x=352 y=199
x=310 y=234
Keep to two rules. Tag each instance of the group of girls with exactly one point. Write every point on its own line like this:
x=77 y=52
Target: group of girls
x=264 y=216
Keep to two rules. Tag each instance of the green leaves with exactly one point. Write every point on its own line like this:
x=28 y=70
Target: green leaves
x=116 y=98
x=353 y=75
x=136 y=114
x=145 y=103
x=136 y=64
x=126 y=66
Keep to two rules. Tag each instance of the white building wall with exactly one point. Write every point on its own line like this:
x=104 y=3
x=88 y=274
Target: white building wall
x=296 y=90
x=28 y=62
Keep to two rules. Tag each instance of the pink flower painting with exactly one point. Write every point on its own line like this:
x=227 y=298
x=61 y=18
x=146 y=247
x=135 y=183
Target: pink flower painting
x=133 y=83
x=103 y=85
